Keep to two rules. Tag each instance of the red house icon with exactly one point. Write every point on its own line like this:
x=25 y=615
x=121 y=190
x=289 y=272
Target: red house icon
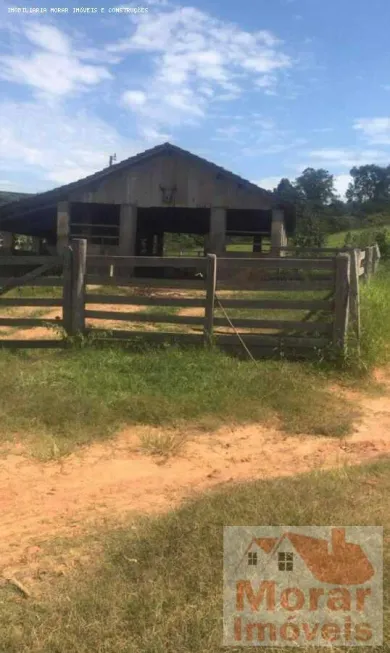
x=345 y=564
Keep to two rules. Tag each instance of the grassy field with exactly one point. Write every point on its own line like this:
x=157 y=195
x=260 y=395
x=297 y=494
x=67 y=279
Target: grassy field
x=157 y=587
x=56 y=401
x=338 y=239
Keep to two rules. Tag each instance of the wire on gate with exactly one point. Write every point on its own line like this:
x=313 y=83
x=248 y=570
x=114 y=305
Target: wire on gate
x=231 y=324
x=235 y=330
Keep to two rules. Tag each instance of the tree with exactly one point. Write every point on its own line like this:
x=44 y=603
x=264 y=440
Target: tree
x=316 y=186
x=370 y=183
x=309 y=230
x=286 y=192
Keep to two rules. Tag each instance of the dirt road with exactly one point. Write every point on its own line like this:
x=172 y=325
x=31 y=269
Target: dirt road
x=39 y=501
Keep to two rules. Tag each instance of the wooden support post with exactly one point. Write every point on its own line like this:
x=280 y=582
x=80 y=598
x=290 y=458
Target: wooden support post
x=211 y=284
x=355 y=295
x=217 y=235
x=341 y=310
x=150 y=245
x=8 y=241
x=160 y=244
x=63 y=226
x=79 y=265
x=35 y=245
x=368 y=264
x=67 y=316
x=127 y=235
x=278 y=233
x=127 y=229
x=257 y=243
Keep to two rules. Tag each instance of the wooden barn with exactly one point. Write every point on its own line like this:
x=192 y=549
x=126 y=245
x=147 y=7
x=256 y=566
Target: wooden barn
x=126 y=208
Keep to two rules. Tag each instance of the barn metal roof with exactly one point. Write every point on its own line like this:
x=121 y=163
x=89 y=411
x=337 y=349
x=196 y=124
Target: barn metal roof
x=57 y=194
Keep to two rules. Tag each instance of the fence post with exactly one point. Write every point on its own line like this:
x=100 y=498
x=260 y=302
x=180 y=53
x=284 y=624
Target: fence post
x=342 y=291
x=67 y=290
x=211 y=283
x=375 y=259
x=368 y=264
x=354 y=304
x=79 y=265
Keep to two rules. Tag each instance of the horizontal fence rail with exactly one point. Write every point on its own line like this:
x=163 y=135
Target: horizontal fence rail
x=304 y=324
x=37 y=267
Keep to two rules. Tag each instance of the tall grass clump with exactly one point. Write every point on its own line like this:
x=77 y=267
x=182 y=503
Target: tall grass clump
x=375 y=319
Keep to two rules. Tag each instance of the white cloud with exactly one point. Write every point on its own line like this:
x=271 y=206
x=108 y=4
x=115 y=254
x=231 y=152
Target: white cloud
x=376 y=130
x=48 y=38
x=53 y=69
x=323 y=130
x=134 y=98
x=6 y=182
x=64 y=148
x=343 y=158
x=269 y=183
x=197 y=59
x=341 y=183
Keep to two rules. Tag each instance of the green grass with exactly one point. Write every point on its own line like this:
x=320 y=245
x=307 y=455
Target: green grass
x=338 y=239
x=157 y=586
x=56 y=401
x=375 y=318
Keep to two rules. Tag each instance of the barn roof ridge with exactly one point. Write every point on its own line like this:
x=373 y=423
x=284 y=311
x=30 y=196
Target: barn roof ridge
x=38 y=198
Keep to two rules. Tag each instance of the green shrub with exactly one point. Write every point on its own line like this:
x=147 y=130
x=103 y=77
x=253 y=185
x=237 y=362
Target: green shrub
x=369 y=237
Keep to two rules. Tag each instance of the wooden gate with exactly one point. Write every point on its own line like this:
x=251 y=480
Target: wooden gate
x=20 y=275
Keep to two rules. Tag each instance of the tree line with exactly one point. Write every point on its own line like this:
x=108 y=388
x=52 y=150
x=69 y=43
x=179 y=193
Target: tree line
x=320 y=210
x=368 y=192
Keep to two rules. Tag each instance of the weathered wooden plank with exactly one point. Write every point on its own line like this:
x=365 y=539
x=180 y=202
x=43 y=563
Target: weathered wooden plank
x=154 y=336
x=355 y=294
x=33 y=344
x=241 y=255
x=140 y=300
x=27 y=321
x=376 y=254
x=15 y=282
x=262 y=340
x=33 y=283
x=342 y=291
x=134 y=282
x=248 y=323
x=30 y=301
x=79 y=259
x=290 y=325
x=281 y=286
x=149 y=261
x=67 y=289
x=280 y=304
x=144 y=317
x=368 y=264
x=53 y=261
x=279 y=263
x=335 y=250
x=211 y=284
x=82 y=225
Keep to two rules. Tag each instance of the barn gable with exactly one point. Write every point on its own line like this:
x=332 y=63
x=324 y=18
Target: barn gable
x=162 y=189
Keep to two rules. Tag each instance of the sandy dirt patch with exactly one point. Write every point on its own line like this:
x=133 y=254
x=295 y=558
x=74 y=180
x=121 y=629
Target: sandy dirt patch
x=39 y=501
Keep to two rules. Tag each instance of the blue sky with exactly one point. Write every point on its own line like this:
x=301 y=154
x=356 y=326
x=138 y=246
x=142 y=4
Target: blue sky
x=264 y=88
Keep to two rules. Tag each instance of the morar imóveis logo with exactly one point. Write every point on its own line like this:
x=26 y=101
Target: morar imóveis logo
x=336 y=562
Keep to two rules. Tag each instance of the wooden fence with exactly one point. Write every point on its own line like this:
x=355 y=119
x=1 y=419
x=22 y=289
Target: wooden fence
x=31 y=271
x=325 y=323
